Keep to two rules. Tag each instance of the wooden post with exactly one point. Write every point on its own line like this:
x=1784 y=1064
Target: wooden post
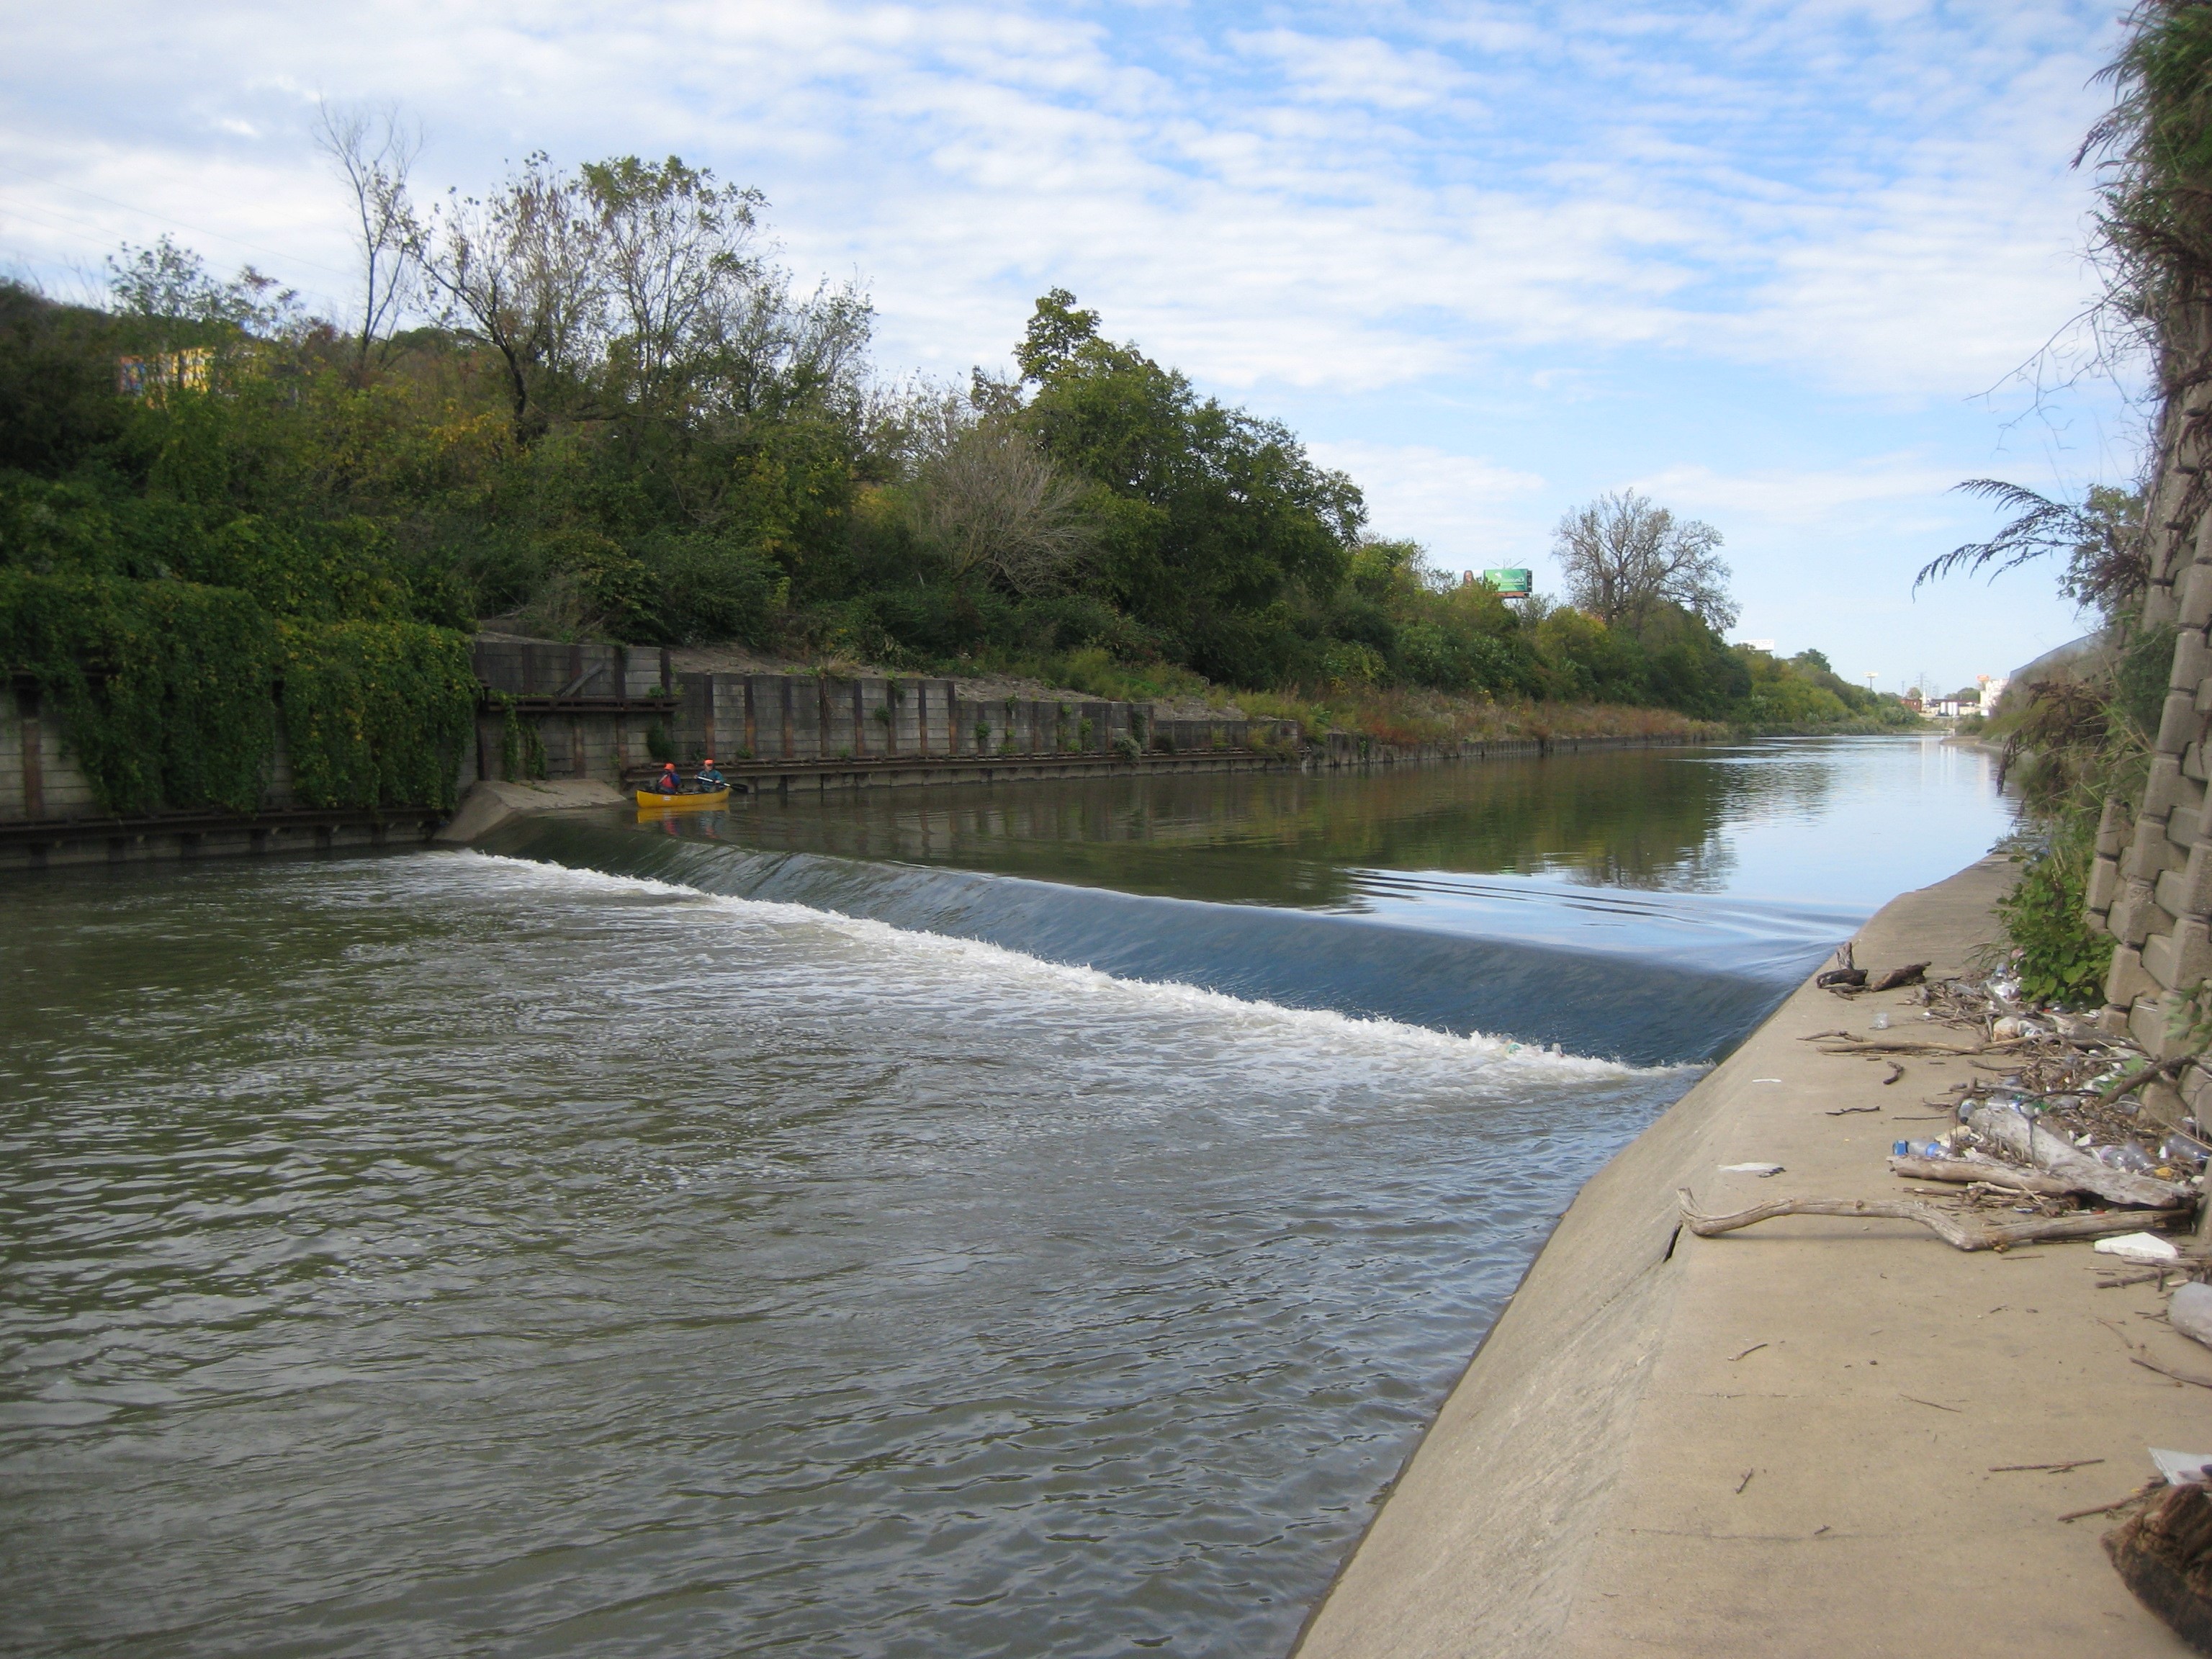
x=35 y=775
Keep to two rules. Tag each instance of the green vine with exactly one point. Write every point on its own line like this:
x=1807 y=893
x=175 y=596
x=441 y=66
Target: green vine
x=376 y=713
x=162 y=688
x=521 y=745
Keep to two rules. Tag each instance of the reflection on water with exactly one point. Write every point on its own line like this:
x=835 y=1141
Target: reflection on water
x=1846 y=821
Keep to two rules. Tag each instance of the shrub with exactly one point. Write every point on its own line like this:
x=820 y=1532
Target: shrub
x=2045 y=916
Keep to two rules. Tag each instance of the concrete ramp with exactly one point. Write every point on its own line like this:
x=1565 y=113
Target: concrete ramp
x=1784 y=1440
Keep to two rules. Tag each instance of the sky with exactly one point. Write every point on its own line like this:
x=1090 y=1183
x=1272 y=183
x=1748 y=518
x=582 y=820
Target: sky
x=1792 y=267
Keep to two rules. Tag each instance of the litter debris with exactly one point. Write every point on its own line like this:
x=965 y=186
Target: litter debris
x=2011 y=1129
x=2181 y=1468
x=1760 y=1169
x=2163 y=1553
x=2189 y=1310
x=2142 y=1249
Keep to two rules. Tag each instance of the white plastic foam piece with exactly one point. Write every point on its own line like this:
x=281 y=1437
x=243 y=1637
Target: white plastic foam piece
x=2146 y=1250
x=1760 y=1169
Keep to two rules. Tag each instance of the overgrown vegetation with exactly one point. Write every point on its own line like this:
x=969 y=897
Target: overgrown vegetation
x=617 y=418
x=2078 y=740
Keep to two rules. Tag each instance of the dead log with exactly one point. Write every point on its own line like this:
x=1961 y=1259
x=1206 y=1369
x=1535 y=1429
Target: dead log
x=1962 y=1170
x=1955 y=1231
x=1853 y=977
x=1891 y=978
x=2163 y=1553
x=2032 y=1143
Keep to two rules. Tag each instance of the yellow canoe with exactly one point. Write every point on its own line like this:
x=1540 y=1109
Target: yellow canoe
x=700 y=803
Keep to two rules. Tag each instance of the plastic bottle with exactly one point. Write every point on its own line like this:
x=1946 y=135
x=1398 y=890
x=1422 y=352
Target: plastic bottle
x=1902 y=1149
x=1879 y=1022
x=2131 y=1157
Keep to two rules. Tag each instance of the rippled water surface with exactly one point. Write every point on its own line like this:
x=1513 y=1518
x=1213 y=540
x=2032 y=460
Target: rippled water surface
x=451 y=1254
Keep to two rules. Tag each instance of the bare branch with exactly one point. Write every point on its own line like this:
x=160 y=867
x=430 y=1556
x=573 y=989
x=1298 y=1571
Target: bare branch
x=375 y=151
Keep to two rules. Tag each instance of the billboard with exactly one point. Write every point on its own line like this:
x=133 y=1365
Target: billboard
x=1513 y=584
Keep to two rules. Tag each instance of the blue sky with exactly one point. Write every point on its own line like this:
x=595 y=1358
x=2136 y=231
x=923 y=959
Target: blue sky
x=1777 y=265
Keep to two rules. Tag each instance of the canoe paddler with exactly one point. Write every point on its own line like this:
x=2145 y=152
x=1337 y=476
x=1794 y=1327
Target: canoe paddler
x=668 y=783
x=709 y=779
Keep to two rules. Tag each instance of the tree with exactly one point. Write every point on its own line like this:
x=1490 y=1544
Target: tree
x=992 y=500
x=167 y=285
x=373 y=152
x=676 y=250
x=1625 y=557
x=1209 y=518
x=2101 y=537
x=521 y=272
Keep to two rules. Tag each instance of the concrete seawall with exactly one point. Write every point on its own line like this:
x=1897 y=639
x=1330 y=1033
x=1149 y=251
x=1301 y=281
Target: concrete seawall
x=1784 y=1440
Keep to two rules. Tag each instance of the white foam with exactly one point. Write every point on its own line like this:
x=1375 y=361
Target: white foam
x=1322 y=1028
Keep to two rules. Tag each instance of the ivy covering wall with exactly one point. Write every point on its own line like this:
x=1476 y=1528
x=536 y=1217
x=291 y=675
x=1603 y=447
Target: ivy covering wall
x=170 y=695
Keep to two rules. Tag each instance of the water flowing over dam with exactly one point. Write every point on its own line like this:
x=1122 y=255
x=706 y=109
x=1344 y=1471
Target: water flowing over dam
x=1002 y=1221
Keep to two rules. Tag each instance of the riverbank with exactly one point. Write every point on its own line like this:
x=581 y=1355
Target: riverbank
x=1785 y=1439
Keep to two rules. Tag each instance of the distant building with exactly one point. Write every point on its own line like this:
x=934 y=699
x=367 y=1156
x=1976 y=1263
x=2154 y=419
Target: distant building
x=152 y=377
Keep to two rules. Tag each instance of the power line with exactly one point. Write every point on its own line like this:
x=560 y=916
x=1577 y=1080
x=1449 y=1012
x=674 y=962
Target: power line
x=179 y=224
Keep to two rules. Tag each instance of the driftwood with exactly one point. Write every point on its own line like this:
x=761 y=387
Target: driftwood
x=1879 y=1046
x=1955 y=1231
x=1962 y=1170
x=1853 y=977
x=2032 y=1143
x=2179 y=1376
x=1891 y=979
x=2164 y=1554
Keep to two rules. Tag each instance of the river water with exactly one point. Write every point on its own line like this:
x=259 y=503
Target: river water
x=1033 y=1220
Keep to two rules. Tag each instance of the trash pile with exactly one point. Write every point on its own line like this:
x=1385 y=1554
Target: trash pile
x=2051 y=1140
x=2062 y=1075
x=2053 y=1126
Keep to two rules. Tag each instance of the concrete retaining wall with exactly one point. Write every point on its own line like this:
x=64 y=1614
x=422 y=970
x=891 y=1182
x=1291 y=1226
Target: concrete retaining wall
x=2151 y=884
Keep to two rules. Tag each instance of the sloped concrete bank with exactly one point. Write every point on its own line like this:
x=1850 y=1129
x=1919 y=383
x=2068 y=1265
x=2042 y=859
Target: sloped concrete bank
x=1787 y=1439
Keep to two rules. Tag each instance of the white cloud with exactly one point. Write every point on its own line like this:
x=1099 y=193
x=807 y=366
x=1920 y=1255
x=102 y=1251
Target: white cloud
x=1719 y=233
x=1797 y=497
x=1463 y=507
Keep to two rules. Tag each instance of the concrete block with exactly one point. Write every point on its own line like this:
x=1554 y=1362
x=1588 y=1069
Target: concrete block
x=2127 y=979
x=2104 y=884
x=2192 y=760
x=2179 y=959
x=2114 y=826
x=2183 y=826
x=2147 y=1022
x=2137 y=914
x=2192 y=661
x=2162 y=789
x=2191 y=885
x=2179 y=725
x=2149 y=853
x=2192 y=606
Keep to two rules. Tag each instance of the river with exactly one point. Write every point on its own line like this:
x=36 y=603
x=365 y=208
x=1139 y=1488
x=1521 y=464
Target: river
x=1026 y=1220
